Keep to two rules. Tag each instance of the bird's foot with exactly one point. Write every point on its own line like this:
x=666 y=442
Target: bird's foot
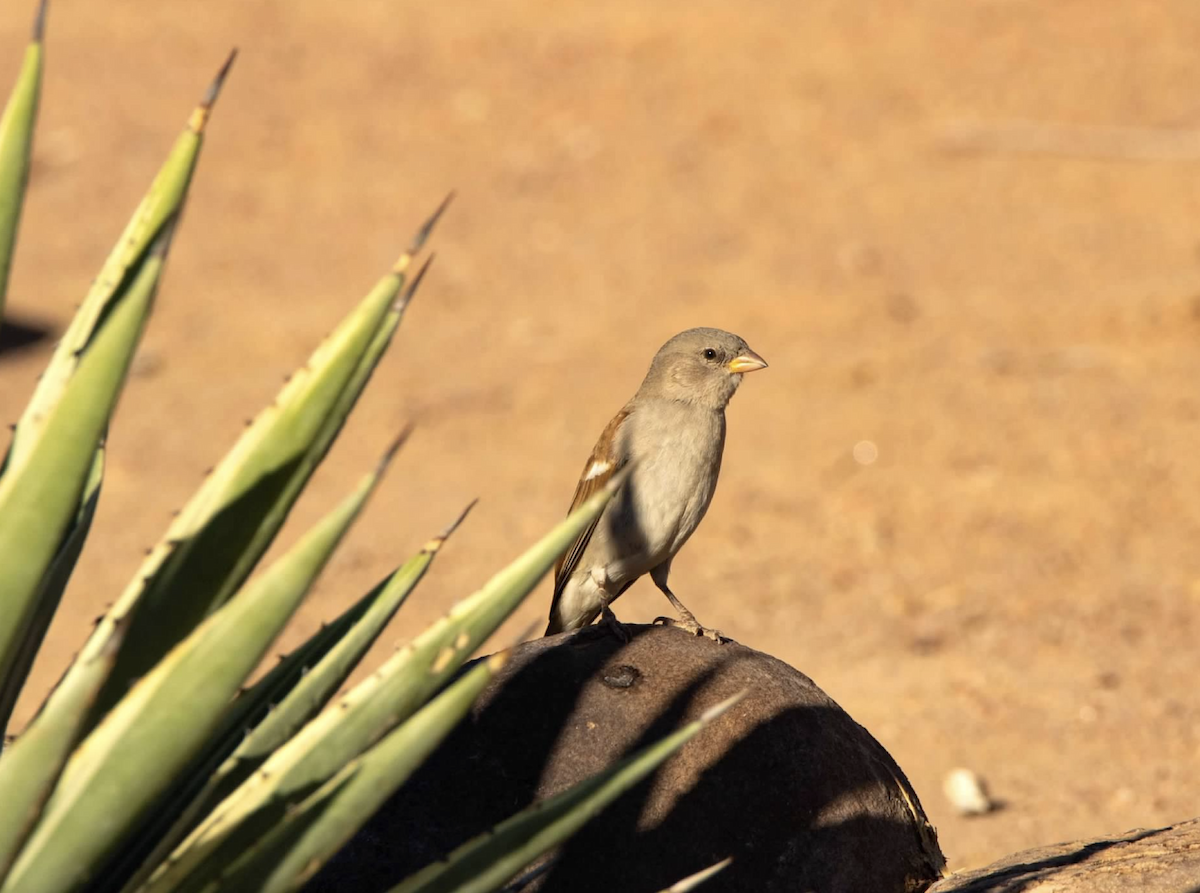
x=692 y=626
x=609 y=621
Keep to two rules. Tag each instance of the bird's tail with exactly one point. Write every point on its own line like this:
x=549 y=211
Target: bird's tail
x=562 y=623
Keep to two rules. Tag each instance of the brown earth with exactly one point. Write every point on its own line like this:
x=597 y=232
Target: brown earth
x=917 y=211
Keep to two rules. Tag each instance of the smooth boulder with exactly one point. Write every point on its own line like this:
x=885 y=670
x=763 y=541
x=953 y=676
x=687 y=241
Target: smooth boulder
x=799 y=794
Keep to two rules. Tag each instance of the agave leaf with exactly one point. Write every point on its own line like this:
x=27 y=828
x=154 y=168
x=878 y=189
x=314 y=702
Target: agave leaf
x=296 y=689
x=373 y=707
x=308 y=835
x=54 y=444
x=152 y=842
x=132 y=757
x=489 y=860
x=30 y=768
x=692 y=881
x=50 y=593
x=16 y=144
x=391 y=322
x=40 y=499
x=153 y=219
x=214 y=543
x=322 y=681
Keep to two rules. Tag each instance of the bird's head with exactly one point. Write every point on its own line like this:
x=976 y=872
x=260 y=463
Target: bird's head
x=703 y=366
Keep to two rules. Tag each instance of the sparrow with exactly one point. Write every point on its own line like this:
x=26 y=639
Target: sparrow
x=673 y=431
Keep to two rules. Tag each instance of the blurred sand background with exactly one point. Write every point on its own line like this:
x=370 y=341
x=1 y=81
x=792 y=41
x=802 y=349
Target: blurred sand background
x=904 y=205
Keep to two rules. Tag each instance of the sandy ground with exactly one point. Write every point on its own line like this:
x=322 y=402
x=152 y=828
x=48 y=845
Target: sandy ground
x=918 y=211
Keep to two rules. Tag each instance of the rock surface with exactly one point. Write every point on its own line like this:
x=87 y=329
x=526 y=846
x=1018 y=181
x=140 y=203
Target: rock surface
x=1165 y=860
x=800 y=795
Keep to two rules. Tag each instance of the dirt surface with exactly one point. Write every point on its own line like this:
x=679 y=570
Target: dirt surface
x=916 y=211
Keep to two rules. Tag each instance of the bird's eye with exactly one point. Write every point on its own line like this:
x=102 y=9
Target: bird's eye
x=709 y=353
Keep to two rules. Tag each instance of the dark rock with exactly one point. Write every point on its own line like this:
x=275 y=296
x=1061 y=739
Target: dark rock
x=1165 y=860
x=800 y=795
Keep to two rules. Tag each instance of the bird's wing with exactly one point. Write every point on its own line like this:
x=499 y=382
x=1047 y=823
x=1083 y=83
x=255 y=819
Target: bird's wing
x=602 y=464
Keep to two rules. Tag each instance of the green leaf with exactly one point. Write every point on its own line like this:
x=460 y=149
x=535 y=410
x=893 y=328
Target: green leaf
x=53 y=584
x=16 y=145
x=692 y=881
x=40 y=499
x=151 y=225
x=54 y=444
x=217 y=539
x=348 y=727
x=321 y=682
x=488 y=861
x=132 y=757
x=295 y=690
x=30 y=768
x=308 y=835
x=177 y=813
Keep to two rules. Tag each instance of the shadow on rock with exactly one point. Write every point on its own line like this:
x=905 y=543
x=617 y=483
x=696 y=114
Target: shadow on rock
x=800 y=795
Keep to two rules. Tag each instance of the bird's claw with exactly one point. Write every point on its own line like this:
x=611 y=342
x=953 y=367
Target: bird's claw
x=692 y=626
x=609 y=621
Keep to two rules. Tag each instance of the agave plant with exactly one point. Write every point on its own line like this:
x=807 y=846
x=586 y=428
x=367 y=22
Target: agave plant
x=150 y=766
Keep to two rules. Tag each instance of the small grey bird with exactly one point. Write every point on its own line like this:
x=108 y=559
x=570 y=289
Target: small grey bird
x=674 y=431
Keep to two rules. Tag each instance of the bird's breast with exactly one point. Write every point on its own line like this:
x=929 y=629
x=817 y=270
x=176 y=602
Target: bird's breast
x=678 y=456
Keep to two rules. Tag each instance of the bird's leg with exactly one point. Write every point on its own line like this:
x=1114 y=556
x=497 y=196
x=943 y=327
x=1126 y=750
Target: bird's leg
x=610 y=622
x=687 y=620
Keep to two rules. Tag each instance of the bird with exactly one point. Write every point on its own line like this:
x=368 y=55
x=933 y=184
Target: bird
x=673 y=433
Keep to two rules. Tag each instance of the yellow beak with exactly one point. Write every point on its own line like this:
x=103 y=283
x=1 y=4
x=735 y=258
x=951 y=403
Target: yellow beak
x=746 y=362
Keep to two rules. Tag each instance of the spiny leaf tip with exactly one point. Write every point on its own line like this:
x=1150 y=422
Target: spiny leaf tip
x=394 y=447
x=200 y=115
x=621 y=476
x=694 y=880
x=426 y=229
x=415 y=284
x=717 y=709
x=435 y=544
x=214 y=88
x=462 y=516
x=39 y=21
